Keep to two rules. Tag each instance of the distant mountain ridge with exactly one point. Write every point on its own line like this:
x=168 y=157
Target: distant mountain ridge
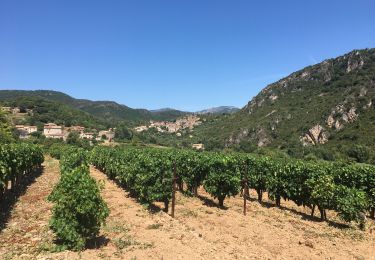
x=219 y=110
x=110 y=110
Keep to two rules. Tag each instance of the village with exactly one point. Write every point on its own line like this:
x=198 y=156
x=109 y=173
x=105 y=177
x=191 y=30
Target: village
x=55 y=131
x=175 y=127
x=188 y=122
x=51 y=130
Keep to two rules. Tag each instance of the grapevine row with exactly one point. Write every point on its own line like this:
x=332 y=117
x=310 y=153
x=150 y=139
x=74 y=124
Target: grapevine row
x=147 y=173
x=17 y=161
x=79 y=211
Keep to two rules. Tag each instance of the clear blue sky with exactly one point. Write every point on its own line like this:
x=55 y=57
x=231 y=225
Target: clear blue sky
x=185 y=54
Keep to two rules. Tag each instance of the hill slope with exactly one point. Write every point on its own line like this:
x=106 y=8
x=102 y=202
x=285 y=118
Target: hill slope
x=45 y=111
x=330 y=103
x=104 y=110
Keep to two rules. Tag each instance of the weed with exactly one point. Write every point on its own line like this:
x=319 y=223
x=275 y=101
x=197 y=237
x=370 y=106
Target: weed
x=154 y=226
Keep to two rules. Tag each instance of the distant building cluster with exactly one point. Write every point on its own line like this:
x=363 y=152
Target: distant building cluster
x=52 y=130
x=188 y=122
x=55 y=131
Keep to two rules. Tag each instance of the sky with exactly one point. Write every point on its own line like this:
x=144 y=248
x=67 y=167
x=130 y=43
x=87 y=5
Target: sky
x=183 y=54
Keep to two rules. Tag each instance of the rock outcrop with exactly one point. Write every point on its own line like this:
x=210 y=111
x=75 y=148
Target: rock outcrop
x=340 y=116
x=314 y=136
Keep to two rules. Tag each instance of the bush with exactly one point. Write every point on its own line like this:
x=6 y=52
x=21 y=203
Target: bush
x=73 y=158
x=359 y=153
x=223 y=179
x=350 y=204
x=79 y=210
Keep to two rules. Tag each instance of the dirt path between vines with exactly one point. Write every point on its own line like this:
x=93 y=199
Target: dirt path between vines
x=26 y=232
x=203 y=231
x=199 y=231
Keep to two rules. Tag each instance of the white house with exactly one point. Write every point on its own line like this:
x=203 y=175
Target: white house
x=53 y=131
x=88 y=136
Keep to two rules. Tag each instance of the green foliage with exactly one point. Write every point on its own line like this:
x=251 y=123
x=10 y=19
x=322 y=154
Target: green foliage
x=5 y=129
x=350 y=203
x=122 y=132
x=223 y=179
x=16 y=162
x=73 y=158
x=75 y=140
x=57 y=107
x=360 y=153
x=146 y=172
x=191 y=168
x=47 y=111
x=79 y=211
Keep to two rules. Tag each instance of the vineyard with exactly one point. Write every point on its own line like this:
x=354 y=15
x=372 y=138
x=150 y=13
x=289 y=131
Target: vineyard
x=17 y=161
x=348 y=189
x=115 y=209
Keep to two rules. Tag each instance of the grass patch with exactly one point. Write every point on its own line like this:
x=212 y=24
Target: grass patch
x=154 y=226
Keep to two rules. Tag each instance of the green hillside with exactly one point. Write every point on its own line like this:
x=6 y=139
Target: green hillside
x=336 y=95
x=102 y=110
x=46 y=111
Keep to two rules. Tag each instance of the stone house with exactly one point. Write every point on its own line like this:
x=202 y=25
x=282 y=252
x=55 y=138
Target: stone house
x=53 y=131
x=88 y=136
x=198 y=146
x=76 y=128
x=109 y=135
x=25 y=130
x=16 y=110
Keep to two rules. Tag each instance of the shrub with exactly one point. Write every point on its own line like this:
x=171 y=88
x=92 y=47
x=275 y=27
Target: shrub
x=359 y=153
x=350 y=204
x=79 y=211
x=223 y=179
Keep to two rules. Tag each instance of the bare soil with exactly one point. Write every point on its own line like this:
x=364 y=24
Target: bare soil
x=200 y=230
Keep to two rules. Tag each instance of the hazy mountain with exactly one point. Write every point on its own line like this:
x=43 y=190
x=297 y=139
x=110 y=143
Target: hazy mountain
x=219 y=110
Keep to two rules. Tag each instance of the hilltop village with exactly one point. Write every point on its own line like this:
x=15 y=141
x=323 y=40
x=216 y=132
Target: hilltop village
x=188 y=122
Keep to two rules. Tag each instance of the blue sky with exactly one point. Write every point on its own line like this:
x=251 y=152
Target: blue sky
x=185 y=54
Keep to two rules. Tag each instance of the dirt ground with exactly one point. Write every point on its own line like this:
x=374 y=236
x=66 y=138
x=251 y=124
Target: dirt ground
x=200 y=230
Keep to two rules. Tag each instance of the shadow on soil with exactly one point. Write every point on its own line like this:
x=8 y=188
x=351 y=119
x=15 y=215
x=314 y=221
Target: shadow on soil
x=210 y=203
x=11 y=196
x=304 y=216
x=97 y=242
x=152 y=208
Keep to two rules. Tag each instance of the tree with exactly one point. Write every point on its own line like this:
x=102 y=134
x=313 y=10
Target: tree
x=73 y=139
x=5 y=129
x=123 y=133
x=360 y=153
